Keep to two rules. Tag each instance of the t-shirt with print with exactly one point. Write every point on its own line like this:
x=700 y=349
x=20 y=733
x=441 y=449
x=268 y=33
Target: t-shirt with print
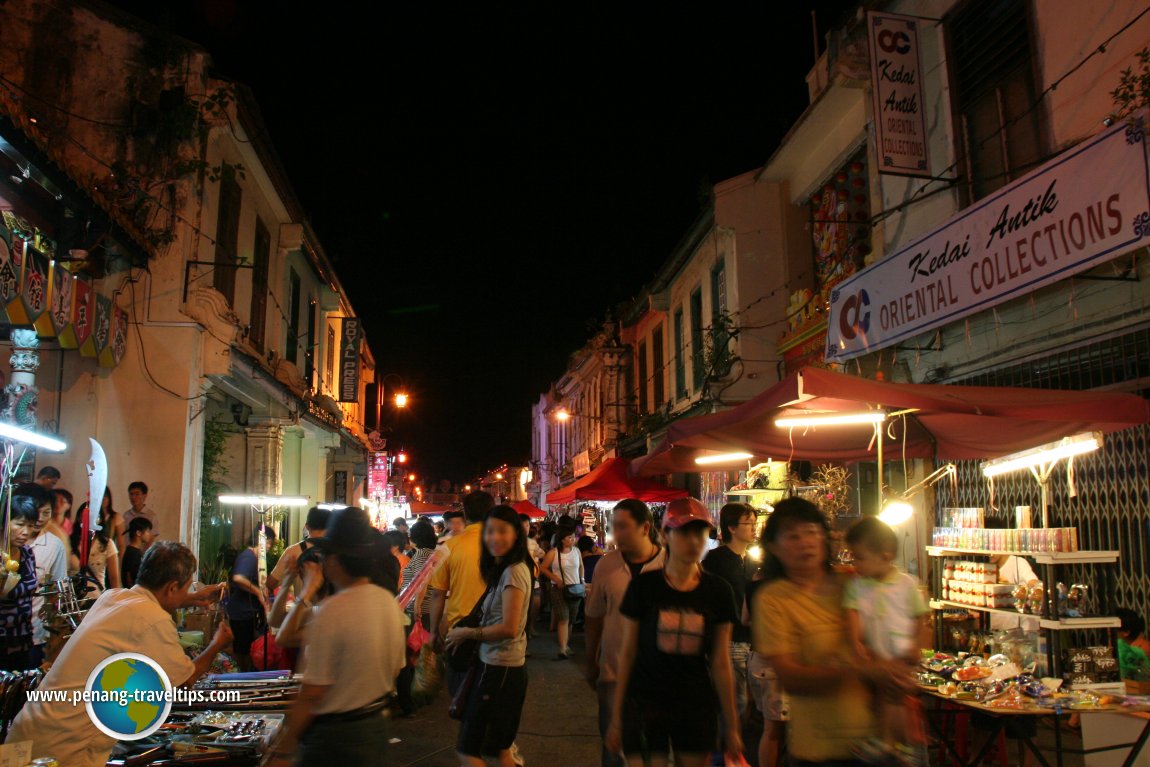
x=890 y=611
x=513 y=651
x=676 y=632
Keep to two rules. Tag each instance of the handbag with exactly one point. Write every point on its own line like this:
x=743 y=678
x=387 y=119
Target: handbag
x=465 y=653
x=576 y=590
x=463 y=694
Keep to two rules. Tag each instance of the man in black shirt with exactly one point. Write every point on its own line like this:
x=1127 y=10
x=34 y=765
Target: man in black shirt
x=729 y=562
x=140 y=538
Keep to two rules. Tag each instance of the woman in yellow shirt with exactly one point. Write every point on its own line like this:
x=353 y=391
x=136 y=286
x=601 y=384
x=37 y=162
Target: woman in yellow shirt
x=799 y=624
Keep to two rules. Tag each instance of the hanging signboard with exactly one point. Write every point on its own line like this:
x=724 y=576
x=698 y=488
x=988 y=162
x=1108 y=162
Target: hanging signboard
x=101 y=308
x=118 y=342
x=60 y=304
x=351 y=331
x=77 y=334
x=1084 y=207
x=581 y=463
x=896 y=85
x=376 y=475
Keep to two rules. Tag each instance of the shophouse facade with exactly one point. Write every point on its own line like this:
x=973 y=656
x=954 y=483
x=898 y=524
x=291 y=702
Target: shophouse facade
x=225 y=320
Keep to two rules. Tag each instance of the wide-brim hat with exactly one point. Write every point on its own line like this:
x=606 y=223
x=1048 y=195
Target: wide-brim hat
x=349 y=533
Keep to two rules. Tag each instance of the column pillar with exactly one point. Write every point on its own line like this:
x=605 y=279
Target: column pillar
x=21 y=393
x=264 y=458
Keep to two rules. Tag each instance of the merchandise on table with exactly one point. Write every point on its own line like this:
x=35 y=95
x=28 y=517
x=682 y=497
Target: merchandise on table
x=226 y=738
x=1025 y=541
x=257 y=690
x=1090 y=665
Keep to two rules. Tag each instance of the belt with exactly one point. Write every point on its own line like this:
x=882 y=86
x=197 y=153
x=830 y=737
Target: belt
x=354 y=715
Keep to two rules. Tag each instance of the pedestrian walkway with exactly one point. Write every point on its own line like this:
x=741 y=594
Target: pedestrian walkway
x=560 y=724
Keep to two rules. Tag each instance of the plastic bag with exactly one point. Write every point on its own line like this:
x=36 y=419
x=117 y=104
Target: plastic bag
x=428 y=674
x=267 y=655
x=418 y=637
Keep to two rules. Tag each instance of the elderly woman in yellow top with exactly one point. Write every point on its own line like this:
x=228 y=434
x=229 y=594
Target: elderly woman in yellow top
x=799 y=624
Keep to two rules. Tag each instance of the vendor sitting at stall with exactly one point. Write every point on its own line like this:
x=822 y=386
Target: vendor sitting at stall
x=137 y=620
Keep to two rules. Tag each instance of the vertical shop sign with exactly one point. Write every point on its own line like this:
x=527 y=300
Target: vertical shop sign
x=896 y=84
x=351 y=332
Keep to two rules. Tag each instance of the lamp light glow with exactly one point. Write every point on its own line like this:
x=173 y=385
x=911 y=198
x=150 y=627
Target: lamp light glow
x=562 y=415
x=401 y=400
x=8 y=431
x=896 y=511
x=263 y=500
x=334 y=506
x=870 y=417
x=1052 y=452
x=723 y=458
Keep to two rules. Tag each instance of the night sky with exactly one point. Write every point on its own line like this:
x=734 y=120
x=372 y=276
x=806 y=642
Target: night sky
x=489 y=184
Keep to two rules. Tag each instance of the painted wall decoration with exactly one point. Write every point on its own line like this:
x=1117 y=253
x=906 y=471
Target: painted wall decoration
x=840 y=223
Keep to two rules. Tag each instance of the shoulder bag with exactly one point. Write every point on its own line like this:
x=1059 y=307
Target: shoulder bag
x=573 y=590
x=465 y=653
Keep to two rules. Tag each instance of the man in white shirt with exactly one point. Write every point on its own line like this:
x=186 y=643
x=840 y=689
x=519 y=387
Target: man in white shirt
x=137 y=620
x=51 y=563
x=636 y=552
x=355 y=651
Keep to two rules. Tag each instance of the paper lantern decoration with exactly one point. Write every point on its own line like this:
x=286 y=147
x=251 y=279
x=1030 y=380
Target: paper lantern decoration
x=10 y=272
x=101 y=327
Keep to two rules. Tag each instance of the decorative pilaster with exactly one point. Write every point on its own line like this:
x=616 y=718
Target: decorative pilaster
x=21 y=393
x=264 y=453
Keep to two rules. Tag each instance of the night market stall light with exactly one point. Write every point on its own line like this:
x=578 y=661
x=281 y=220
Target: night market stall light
x=1042 y=460
x=263 y=500
x=15 y=433
x=705 y=460
x=897 y=509
x=870 y=418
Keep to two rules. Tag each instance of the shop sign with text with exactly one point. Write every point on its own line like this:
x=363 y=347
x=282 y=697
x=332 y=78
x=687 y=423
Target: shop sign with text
x=351 y=331
x=896 y=84
x=1084 y=207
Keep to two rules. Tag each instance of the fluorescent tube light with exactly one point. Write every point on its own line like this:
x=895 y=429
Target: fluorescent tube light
x=1079 y=444
x=723 y=458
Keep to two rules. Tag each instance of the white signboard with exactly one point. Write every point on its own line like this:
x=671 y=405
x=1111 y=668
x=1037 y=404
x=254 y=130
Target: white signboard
x=899 y=104
x=1086 y=206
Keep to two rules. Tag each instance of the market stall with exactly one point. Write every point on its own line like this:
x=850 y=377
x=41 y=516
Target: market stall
x=1065 y=631
x=530 y=509
x=613 y=480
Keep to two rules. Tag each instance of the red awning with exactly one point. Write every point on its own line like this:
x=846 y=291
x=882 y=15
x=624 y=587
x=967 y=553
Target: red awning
x=530 y=509
x=612 y=481
x=947 y=422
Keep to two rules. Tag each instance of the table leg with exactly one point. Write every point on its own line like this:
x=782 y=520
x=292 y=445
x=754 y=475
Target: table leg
x=1136 y=749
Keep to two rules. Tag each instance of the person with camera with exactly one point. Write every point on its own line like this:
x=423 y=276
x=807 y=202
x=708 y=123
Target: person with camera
x=289 y=619
x=313 y=527
x=355 y=650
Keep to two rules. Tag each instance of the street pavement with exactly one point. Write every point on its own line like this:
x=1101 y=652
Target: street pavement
x=559 y=726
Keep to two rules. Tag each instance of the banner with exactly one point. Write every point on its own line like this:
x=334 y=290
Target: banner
x=1084 y=207
x=896 y=85
x=351 y=331
x=63 y=291
x=77 y=333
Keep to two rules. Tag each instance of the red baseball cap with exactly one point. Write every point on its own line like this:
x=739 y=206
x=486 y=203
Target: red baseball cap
x=685 y=511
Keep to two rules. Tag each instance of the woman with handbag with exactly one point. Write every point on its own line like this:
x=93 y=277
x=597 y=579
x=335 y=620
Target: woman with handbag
x=563 y=565
x=490 y=700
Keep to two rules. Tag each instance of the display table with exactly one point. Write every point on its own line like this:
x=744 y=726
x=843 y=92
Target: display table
x=1109 y=729
x=942 y=710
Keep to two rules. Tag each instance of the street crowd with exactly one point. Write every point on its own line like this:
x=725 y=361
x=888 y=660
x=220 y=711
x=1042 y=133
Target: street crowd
x=683 y=636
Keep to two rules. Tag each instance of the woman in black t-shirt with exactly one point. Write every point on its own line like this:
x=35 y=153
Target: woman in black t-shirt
x=675 y=673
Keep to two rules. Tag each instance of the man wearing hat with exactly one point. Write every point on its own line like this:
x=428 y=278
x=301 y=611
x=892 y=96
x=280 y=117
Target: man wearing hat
x=355 y=651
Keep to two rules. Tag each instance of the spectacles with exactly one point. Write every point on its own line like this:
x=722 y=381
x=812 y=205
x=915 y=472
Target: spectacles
x=752 y=524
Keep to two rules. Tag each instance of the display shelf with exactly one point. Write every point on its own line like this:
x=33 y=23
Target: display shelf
x=1041 y=557
x=1063 y=624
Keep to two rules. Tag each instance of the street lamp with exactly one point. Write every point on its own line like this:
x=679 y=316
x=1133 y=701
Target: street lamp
x=401 y=400
x=410 y=477
x=562 y=415
x=401 y=457
x=467 y=488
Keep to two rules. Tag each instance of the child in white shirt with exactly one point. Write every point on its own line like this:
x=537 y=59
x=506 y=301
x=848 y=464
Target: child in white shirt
x=886 y=618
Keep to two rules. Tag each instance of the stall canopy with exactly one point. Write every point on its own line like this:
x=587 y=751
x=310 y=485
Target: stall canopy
x=927 y=421
x=530 y=509
x=419 y=508
x=612 y=481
